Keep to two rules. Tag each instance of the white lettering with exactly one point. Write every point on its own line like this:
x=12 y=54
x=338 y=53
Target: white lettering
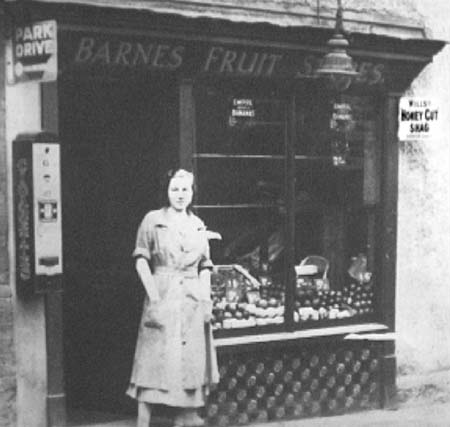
x=227 y=62
x=102 y=54
x=212 y=56
x=85 y=49
x=27 y=34
x=124 y=49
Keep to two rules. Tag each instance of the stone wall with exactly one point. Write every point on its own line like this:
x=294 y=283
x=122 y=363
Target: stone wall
x=7 y=360
x=7 y=364
x=423 y=289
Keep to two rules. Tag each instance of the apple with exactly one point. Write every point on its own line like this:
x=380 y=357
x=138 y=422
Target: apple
x=300 y=293
x=316 y=302
x=262 y=303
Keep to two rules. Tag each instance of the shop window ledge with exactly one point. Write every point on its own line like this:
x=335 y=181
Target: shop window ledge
x=301 y=334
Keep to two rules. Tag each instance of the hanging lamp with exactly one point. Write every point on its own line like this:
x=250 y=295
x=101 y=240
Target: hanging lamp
x=337 y=65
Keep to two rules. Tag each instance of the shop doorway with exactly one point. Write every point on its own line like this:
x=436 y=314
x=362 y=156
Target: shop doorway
x=117 y=138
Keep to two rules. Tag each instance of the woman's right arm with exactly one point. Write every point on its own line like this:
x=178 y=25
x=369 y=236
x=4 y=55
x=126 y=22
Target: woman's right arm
x=147 y=279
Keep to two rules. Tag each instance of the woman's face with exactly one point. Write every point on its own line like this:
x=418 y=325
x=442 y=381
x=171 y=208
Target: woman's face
x=180 y=192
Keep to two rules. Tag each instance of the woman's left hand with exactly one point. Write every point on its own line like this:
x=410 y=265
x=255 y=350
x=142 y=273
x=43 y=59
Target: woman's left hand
x=207 y=310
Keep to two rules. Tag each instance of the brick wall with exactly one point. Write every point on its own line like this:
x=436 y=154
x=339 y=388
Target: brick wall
x=7 y=361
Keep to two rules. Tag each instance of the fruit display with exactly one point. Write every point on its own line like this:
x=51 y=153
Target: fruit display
x=241 y=301
x=315 y=304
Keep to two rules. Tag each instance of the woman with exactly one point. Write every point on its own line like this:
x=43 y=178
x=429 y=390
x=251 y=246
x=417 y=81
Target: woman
x=174 y=360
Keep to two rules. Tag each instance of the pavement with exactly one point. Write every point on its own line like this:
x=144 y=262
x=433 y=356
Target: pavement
x=422 y=402
x=436 y=415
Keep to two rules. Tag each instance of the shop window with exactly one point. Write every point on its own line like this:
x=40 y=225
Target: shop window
x=337 y=172
x=243 y=160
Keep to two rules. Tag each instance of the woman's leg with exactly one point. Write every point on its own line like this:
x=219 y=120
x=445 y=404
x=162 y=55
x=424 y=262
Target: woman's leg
x=144 y=414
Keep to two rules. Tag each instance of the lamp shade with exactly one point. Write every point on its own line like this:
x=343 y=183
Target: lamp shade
x=337 y=63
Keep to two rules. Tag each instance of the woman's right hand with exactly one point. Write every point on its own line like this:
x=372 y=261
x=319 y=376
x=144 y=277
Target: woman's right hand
x=152 y=317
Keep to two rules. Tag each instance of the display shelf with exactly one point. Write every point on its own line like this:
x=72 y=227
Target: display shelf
x=224 y=334
x=221 y=341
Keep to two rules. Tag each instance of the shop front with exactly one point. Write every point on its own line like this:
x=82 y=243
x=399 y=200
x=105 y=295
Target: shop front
x=298 y=176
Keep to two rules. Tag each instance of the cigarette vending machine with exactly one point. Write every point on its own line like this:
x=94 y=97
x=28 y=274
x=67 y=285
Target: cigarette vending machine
x=37 y=213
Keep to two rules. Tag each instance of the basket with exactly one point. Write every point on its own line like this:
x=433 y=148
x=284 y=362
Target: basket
x=312 y=272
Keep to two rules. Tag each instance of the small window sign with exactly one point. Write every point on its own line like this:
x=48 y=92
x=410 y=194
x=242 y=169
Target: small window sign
x=418 y=118
x=243 y=108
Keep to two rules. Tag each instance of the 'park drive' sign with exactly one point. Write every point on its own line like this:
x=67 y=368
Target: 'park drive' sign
x=34 y=52
x=417 y=118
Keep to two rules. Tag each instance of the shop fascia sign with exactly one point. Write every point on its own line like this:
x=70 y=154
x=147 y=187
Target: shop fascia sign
x=418 y=118
x=136 y=53
x=32 y=53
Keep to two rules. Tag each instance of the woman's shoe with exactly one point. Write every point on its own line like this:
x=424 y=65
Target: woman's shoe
x=178 y=421
x=192 y=419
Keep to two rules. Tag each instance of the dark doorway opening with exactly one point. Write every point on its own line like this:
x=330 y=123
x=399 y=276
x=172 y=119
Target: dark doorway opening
x=117 y=138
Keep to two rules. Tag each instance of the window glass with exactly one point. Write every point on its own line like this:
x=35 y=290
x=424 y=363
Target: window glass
x=337 y=192
x=240 y=165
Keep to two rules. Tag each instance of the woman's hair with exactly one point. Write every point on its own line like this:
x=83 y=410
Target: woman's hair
x=165 y=181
